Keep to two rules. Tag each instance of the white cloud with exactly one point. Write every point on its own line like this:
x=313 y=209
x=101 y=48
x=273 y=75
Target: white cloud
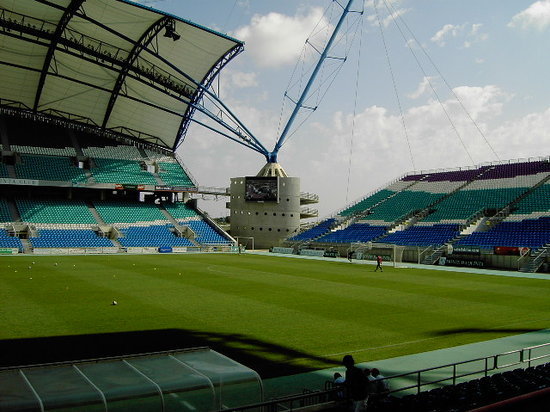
x=447 y=30
x=422 y=88
x=470 y=33
x=475 y=36
x=275 y=39
x=386 y=21
x=244 y=80
x=536 y=16
x=524 y=137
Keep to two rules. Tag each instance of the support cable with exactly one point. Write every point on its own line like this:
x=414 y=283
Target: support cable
x=292 y=83
x=454 y=95
x=355 y=98
x=405 y=131
x=328 y=80
x=447 y=115
x=449 y=87
x=272 y=156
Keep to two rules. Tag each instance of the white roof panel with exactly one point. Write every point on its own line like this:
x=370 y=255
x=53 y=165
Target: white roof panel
x=108 y=63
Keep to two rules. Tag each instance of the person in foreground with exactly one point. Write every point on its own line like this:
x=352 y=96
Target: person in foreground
x=356 y=384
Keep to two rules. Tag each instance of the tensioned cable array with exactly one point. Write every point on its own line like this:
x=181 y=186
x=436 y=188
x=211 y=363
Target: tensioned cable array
x=354 y=107
x=394 y=16
x=405 y=131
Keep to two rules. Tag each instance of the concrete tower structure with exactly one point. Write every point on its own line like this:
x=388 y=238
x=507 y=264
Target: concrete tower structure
x=266 y=207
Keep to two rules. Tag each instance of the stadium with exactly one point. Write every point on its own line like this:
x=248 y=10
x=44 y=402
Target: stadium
x=119 y=292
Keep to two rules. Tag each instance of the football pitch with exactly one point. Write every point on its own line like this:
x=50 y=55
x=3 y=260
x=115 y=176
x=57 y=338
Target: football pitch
x=276 y=315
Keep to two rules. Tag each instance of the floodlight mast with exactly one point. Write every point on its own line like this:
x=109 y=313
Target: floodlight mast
x=272 y=156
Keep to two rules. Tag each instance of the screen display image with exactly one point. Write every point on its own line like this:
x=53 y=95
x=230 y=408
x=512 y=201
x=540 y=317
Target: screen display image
x=261 y=189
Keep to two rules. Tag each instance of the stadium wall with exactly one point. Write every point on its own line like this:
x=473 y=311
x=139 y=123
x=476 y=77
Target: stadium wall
x=269 y=222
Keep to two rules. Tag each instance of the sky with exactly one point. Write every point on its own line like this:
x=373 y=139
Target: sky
x=426 y=85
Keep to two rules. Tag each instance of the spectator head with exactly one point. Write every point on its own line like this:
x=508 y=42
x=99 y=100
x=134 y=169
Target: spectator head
x=337 y=375
x=374 y=372
x=348 y=361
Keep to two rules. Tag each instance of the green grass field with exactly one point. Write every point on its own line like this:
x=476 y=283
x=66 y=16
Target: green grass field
x=276 y=315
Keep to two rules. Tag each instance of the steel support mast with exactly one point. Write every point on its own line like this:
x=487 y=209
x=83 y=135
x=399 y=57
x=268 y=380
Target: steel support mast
x=272 y=156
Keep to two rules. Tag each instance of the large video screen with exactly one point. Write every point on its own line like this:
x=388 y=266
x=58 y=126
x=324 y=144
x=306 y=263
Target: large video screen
x=261 y=189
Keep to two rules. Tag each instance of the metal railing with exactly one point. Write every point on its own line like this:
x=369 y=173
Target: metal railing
x=293 y=402
x=450 y=373
x=489 y=363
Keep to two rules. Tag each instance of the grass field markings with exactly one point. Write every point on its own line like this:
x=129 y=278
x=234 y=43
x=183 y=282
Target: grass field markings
x=494 y=328
x=231 y=273
x=393 y=345
x=520 y=322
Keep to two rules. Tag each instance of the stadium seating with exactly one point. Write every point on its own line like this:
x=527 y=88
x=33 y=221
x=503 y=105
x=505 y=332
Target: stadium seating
x=173 y=174
x=151 y=236
x=121 y=171
x=4 y=170
x=315 y=231
x=476 y=393
x=63 y=238
x=535 y=204
x=47 y=211
x=532 y=233
x=180 y=210
x=47 y=151
x=206 y=235
x=7 y=241
x=440 y=204
x=435 y=235
x=367 y=202
x=401 y=205
x=49 y=168
x=357 y=232
x=113 y=151
x=158 y=157
x=464 y=204
x=5 y=215
x=129 y=212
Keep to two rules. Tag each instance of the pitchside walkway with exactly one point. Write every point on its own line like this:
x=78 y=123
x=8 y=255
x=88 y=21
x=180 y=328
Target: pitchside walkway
x=294 y=384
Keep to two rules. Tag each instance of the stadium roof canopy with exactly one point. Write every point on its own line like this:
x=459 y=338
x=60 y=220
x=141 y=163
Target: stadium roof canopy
x=128 y=70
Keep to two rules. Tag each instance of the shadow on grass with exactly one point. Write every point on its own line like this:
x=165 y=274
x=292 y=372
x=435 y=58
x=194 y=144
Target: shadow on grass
x=269 y=360
x=463 y=331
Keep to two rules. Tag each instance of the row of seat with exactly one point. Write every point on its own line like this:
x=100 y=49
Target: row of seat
x=357 y=232
x=49 y=168
x=180 y=210
x=46 y=211
x=173 y=174
x=7 y=241
x=402 y=204
x=48 y=151
x=469 y=395
x=532 y=233
x=423 y=235
x=54 y=211
x=152 y=236
x=315 y=231
x=206 y=235
x=502 y=182
x=105 y=170
x=120 y=171
x=57 y=238
x=464 y=204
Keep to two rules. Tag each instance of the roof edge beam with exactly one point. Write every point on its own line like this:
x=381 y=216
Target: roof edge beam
x=63 y=22
x=140 y=45
x=201 y=88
